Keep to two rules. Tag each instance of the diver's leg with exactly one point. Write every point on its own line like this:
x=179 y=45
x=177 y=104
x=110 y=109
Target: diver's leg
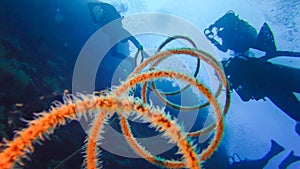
x=287 y=77
x=287 y=102
x=293 y=81
x=291 y=158
x=275 y=149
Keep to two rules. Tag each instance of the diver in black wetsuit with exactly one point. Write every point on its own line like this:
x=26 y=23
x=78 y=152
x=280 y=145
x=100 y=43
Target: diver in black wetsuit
x=239 y=36
x=103 y=14
x=256 y=78
x=253 y=78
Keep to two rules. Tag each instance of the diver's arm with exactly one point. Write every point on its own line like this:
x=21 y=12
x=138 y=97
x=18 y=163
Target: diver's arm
x=221 y=47
x=210 y=36
x=136 y=43
x=131 y=38
x=218 y=45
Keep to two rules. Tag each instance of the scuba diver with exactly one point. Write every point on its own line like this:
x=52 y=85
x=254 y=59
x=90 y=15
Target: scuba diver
x=256 y=78
x=238 y=35
x=102 y=14
x=276 y=149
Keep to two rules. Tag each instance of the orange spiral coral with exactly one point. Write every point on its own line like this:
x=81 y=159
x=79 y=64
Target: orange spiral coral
x=116 y=101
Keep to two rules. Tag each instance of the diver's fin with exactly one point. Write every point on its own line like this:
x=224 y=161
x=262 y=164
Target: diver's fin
x=275 y=149
x=265 y=39
x=291 y=158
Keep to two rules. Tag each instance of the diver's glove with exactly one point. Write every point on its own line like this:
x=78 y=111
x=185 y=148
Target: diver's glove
x=140 y=47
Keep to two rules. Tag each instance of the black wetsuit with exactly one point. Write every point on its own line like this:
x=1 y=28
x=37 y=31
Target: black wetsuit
x=253 y=78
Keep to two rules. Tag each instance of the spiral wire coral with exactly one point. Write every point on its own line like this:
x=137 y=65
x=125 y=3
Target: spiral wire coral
x=102 y=107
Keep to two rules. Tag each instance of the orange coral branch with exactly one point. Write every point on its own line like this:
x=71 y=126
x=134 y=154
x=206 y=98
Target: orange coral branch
x=19 y=146
x=108 y=104
x=194 y=53
x=140 y=150
x=158 y=74
x=92 y=151
x=22 y=143
x=200 y=55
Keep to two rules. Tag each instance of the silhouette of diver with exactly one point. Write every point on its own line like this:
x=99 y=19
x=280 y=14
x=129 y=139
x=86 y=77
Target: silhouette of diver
x=238 y=36
x=103 y=14
x=226 y=28
x=256 y=78
x=262 y=162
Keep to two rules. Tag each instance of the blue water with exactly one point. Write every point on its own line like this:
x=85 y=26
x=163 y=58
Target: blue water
x=41 y=41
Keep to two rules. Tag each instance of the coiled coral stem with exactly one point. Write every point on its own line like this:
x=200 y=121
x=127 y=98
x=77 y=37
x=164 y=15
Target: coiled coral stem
x=158 y=74
x=47 y=122
x=156 y=117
